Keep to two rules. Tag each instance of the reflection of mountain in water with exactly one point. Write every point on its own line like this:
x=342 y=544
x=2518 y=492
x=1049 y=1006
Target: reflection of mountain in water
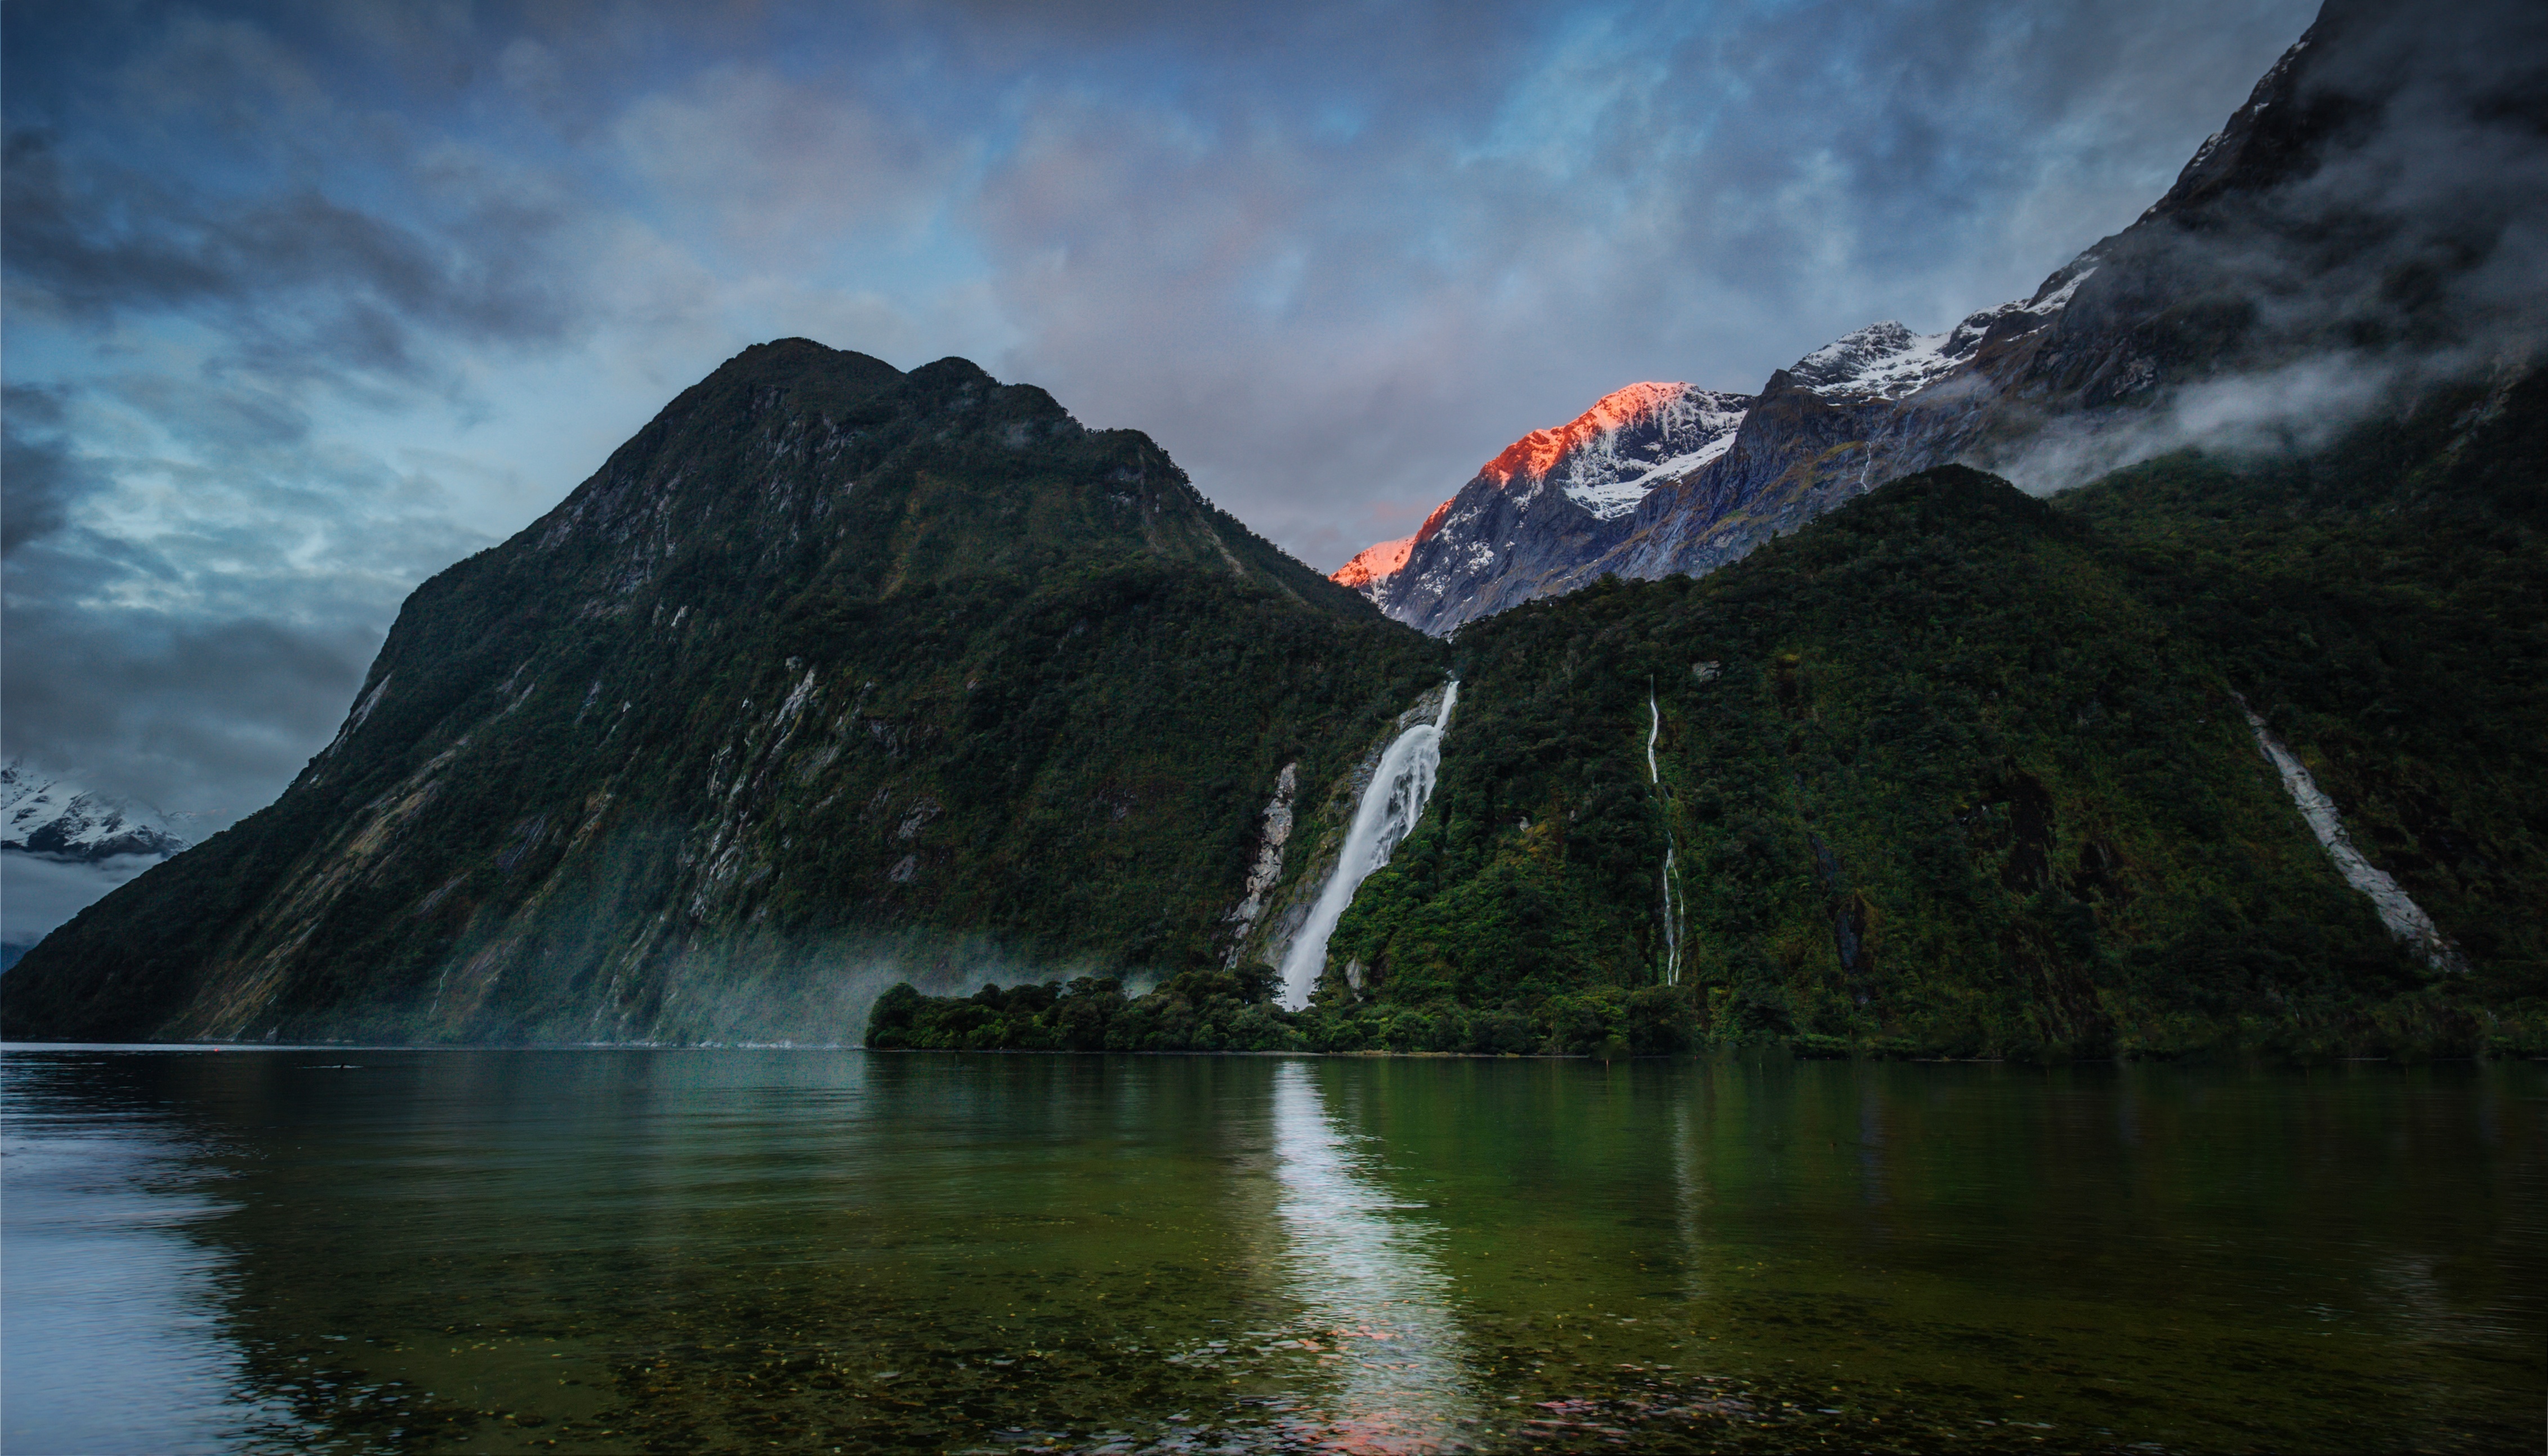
x=1375 y=1301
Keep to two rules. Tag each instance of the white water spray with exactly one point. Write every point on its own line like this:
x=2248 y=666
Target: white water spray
x=1391 y=804
x=1672 y=849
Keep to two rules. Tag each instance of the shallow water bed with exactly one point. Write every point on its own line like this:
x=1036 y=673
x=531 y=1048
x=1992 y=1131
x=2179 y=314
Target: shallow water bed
x=683 y=1251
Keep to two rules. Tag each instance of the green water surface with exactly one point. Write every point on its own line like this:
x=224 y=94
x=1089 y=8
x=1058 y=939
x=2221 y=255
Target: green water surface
x=690 y=1250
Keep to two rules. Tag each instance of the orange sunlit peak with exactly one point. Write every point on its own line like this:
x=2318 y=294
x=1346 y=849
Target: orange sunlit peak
x=1389 y=558
x=1383 y=560
x=1534 y=454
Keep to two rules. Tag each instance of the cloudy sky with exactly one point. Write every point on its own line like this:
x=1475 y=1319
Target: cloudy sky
x=306 y=300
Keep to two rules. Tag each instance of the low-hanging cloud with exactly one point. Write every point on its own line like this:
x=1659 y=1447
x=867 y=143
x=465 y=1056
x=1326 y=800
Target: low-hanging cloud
x=2299 y=407
x=2369 y=228
x=37 y=894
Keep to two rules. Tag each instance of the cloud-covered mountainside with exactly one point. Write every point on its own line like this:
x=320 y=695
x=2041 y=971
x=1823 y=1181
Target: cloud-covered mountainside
x=837 y=675
x=2371 y=222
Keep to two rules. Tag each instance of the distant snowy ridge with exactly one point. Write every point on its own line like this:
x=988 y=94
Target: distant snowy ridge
x=1606 y=458
x=47 y=816
x=1675 y=429
x=1886 y=361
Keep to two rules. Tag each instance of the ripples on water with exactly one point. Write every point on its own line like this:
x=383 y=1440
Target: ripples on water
x=724 y=1250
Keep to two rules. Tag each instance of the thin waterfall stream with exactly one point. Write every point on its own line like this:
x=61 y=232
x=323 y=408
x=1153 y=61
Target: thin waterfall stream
x=1390 y=807
x=2404 y=919
x=1672 y=847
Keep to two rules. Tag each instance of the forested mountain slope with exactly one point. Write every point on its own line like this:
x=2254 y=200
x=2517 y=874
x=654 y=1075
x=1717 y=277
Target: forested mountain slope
x=1954 y=770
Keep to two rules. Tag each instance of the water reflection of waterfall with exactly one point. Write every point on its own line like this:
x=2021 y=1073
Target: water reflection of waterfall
x=1375 y=1302
x=1391 y=804
x=1672 y=849
x=1690 y=1189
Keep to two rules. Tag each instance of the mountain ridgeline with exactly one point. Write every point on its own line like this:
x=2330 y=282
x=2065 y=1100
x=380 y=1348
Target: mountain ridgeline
x=1954 y=771
x=836 y=677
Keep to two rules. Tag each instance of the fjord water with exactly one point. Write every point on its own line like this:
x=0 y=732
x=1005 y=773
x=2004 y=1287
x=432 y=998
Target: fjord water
x=680 y=1250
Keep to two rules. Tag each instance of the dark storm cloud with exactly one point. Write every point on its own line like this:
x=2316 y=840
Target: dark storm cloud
x=39 y=475
x=297 y=279
x=160 y=705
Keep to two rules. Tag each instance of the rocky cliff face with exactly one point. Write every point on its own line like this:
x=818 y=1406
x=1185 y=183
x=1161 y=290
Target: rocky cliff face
x=833 y=675
x=2317 y=259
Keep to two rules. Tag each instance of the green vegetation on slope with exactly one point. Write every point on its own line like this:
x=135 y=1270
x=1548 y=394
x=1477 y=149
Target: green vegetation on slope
x=2385 y=607
x=1953 y=771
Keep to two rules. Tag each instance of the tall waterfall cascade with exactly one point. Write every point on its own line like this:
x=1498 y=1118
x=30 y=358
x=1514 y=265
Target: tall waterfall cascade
x=1672 y=849
x=2406 y=920
x=1390 y=807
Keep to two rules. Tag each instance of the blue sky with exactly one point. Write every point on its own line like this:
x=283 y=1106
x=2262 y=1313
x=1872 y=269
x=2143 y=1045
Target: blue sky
x=305 y=302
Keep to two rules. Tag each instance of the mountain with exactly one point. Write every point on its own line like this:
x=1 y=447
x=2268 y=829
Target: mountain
x=41 y=814
x=831 y=675
x=2210 y=757
x=2316 y=260
x=836 y=677
x=1551 y=499
x=2236 y=746
x=1953 y=769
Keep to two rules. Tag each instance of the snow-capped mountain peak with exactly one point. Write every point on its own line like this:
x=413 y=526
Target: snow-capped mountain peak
x=47 y=816
x=1372 y=561
x=1536 y=453
x=1546 y=497
x=1632 y=440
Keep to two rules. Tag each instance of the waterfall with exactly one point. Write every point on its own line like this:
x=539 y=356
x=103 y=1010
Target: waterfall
x=1672 y=849
x=2404 y=918
x=1391 y=804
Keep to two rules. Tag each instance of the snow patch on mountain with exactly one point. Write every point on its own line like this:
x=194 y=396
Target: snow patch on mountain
x=59 y=820
x=1609 y=470
x=1887 y=361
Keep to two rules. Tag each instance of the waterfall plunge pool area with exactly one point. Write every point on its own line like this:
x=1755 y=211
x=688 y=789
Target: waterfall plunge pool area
x=709 y=1250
